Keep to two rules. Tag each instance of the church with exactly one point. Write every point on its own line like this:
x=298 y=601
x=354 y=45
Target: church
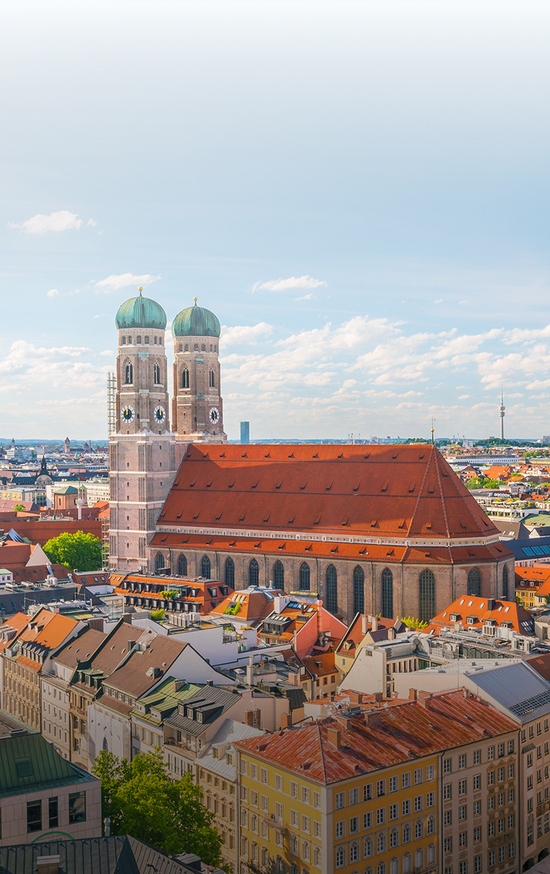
x=388 y=530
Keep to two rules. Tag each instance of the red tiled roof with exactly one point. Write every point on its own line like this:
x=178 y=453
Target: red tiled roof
x=393 y=491
x=541 y=664
x=397 y=734
x=477 y=609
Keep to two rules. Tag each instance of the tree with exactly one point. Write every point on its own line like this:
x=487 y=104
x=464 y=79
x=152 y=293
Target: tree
x=78 y=551
x=19 y=508
x=140 y=799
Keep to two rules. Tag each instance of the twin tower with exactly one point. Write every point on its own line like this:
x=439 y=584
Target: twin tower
x=144 y=451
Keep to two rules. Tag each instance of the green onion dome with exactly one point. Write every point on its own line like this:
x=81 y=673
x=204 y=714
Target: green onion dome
x=140 y=312
x=195 y=321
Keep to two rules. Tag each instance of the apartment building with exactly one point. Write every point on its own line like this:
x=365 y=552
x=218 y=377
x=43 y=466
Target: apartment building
x=364 y=789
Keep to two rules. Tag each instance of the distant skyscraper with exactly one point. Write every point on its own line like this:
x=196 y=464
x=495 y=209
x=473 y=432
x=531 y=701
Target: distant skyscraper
x=502 y=413
x=245 y=432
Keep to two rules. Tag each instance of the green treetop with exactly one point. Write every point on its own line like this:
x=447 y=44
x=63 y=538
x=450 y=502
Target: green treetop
x=78 y=551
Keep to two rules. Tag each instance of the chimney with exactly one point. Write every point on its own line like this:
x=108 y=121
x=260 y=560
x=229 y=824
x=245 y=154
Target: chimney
x=334 y=735
x=391 y=634
x=286 y=720
x=424 y=697
x=354 y=697
x=372 y=717
x=412 y=695
x=378 y=696
x=47 y=864
x=373 y=623
x=364 y=623
x=490 y=604
x=179 y=684
x=250 y=673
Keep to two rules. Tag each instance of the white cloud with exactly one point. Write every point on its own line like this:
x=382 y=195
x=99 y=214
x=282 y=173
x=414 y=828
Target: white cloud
x=56 y=221
x=463 y=397
x=121 y=280
x=249 y=334
x=53 y=292
x=309 y=296
x=439 y=301
x=287 y=284
x=91 y=223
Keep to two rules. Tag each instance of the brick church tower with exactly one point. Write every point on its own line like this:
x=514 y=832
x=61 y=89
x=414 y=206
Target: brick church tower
x=142 y=449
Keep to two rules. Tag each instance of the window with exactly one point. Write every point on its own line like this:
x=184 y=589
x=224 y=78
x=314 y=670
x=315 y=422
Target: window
x=278 y=575
x=462 y=812
x=426 y=595
x=511 y=850
x=354 y=852
x=431 y=825
x=128 y=373
x=182 y=565
x=430 y=799
x=446 y=766
x=381 y=816
x=159 y=561
x=418 y=829
x=430 y=773
x=229 y=572
x=393 y=784
x=406 y=807
x=354 y=825
x=477 y=808
x=447 y=817
x=339 y=798
x=387 y=593
x=406 y=780
x=340 y=829
x=491 y=829
x=304 y=577
x=367 y=820
x=380 y=788
x=491 y=858
x=418 y=803
x=491 y=753
x=490 y=778
x=448 y=845
x=353 y=796
x=331 y=595
x=34 y=816
x=340 y=857
x=462 y=787
x=211 y=380
x=53 y=812
x=505 y=583
x=511 y=771
x=477 y=782
x=381 y=843
x=418 y=776
x=368 y=849
x=358 y=590
x=394 y=811
x=463 y=839
x=477 y=757
x=474 y=583
x=367 y=792
x=394 y=838
x=156 y=373
x=447 y=791
x=77 y=807
x=463 y=867
x=462 y=761
x=491 y=802
x=253 y=573
x=185 y=378
x=500 y=775
x=407 y=834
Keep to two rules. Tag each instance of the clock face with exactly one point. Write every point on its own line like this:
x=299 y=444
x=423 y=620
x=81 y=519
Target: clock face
x=214 y=415
x=128 y=414
x=159 y=414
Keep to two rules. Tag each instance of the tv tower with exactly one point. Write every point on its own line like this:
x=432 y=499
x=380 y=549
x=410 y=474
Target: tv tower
x=502 y=409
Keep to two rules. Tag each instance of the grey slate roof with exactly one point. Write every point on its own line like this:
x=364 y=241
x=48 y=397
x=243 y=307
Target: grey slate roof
x=120 y=854
x=531 y=548
x=211 y=701
x=518 y=688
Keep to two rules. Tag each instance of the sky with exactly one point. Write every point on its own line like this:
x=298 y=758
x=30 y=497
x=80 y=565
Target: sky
x=358 y=190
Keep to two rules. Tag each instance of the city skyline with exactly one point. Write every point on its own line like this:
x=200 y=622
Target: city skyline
x=354 y=190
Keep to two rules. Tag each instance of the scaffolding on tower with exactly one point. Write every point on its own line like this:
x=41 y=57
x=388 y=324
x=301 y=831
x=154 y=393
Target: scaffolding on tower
x=111 y=403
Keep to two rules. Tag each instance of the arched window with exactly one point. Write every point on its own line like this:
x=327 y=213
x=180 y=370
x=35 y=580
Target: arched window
x=146 y=340
x=129 y=341
x=505 y=583
x=160 y=341
x=203 y=348
x=229 y=572
x=387 y=593
x=331 y=589
x=253 y=573
x=426 y=595
x=196 y=347
x=182 y=565
x=430 y=826
x=381 y=868
x=474 y=582
x=407 y=863
x=304 y=577
x=211 y=380
x=430 y=855
x=419 y=857
x=128 y=373
x=155 y=341
x=156 y=373
x=159 y=561
x=394 y=866
x=278 y=575
x=205 y=567
x=358 y=590
x=185 y=378
x=124 y=341
x=394 y=838
x=138 y=339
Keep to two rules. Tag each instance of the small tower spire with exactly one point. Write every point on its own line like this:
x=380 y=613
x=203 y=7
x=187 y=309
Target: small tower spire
x=502 y=413
x=195 y=299
x=140 y=289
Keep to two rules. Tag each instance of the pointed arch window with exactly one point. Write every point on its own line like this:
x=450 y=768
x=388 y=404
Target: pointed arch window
x=156 y=373
x=159 y=561
x=358 y=590
x=211 y=380
x=305 y=577
x=229 y=572
x=331 y=583
x=253 y=573
x=182 y=565
x=387 y=593
x=505 y=583
x=185 y=378
x=278 y=575
x=206 y=567
x=426 y=592
x=128 y=373
x=474 y=582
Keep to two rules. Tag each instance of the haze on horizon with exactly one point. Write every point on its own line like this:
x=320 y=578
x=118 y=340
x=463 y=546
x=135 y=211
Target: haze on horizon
x=359 y=191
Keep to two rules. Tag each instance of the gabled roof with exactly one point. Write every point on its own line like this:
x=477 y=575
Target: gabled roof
x=481 y=611
x=335 y=749
x=211 y=700
x=399 y=491
x=137 y=674
x=28 y=763
x=81 y=648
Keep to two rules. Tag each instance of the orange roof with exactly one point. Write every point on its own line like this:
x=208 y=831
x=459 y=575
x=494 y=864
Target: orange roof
x=473 y=612
x=321 y=664
x=18 y=621
x=340 y=748
x=394 y=491
x=47 y=629
x=537 y=573
x=253 y=605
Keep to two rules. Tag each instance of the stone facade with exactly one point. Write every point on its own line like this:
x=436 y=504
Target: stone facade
x=197 y=407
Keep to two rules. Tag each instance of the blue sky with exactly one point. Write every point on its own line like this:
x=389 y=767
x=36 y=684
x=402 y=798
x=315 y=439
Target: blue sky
x=359 y=190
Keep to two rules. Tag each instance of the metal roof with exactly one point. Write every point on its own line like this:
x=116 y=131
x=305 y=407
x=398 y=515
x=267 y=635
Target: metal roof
x=518 y=688
x=29 y=763
x=208 y=698
x=121 y=854
x=530 y=547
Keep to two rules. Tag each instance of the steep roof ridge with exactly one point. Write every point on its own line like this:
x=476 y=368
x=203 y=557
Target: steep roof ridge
x=455 y=482
x=420 y=491
x=441 y=498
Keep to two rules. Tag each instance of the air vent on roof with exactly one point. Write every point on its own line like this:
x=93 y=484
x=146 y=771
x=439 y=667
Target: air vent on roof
x=346 y=520
x=316 y=522
x=222 y=454
x=315 y=455
x=291 y=521
x=308 y=548
x=303 y=486
x=282 y=546
x=209 y=484
x=218 y=517
x=403 y=523
x=421 y=457
x=231 y=484
x=191 y=485
x=266 y=520
x=341 y=455
x=429 y=526
x=254 y=485
x=291 y=455
x=244 y=455
x=179 y=515
x=196 y=515
x=384 y=487
x=334 y=549
x=367 y=455
x=394 y=456
x=356 y=488
x=328 y=488
x=373 y=523
x=278 y=485
x=267 y=455
x=241 y=518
